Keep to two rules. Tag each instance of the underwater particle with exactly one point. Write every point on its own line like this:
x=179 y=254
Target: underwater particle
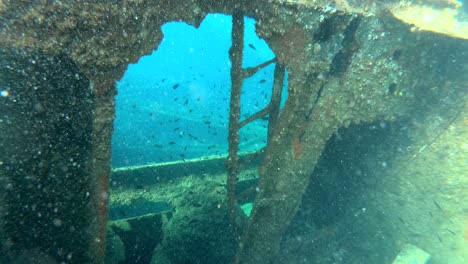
x=317 y=48
x=383 y=124
x=38 y=108
x=4 y=93
x=321 y=76
x=57 y=222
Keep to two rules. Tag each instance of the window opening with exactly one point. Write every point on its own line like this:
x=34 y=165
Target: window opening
x=173 y=105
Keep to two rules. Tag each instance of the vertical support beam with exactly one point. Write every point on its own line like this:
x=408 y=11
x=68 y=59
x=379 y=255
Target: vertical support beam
x=235 y=54
x=100 y=159
x=290 y=158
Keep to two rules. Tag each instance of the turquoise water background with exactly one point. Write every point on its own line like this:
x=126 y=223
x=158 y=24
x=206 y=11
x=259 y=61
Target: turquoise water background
x=174 y=104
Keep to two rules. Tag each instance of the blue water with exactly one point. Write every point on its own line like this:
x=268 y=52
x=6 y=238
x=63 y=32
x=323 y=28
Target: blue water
x=174 y=104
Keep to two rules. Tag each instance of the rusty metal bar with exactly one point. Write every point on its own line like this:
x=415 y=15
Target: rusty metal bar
x=235 y=54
